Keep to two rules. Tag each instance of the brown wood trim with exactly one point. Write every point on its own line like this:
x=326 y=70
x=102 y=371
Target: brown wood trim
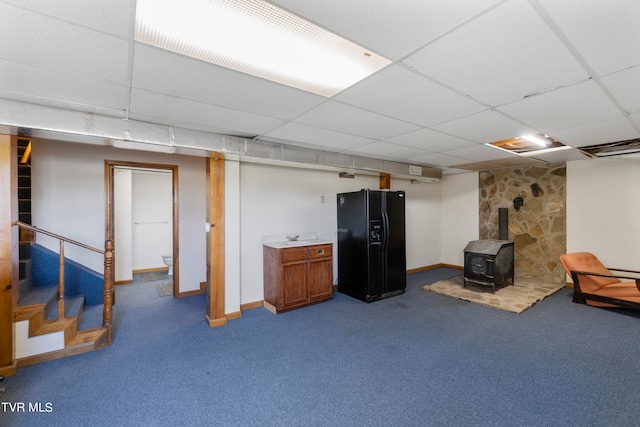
x=431 y=267
x=150 y=270
x=385 y=181
x=234 y=315
x=251 y=305
x=191 y=293
x=8 y=249
x=214 y=323
x=123 y=282
x=215 y=241
x=65 y=352
x=109 y=166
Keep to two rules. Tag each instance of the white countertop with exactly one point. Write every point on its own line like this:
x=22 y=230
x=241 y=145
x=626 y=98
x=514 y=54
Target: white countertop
x=293 y=244
x=280 y=241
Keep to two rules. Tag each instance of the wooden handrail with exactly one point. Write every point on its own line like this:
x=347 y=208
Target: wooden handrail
x=56 y=236
x=109 y=277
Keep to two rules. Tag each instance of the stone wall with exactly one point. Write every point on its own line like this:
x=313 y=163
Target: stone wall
x=538 y=227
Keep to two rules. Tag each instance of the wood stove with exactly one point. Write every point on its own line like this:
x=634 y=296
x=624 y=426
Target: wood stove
x=489 y=263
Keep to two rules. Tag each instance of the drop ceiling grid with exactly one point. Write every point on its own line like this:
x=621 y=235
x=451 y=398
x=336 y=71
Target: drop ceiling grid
x=605 y=33
x=500 y=57
x=486 y=126
x=388 y=150
x=49 y=43
x=340 y=117
x=390 y=28
x=110 y=17
x=319 y=138
x=35 y=84
x=567 y=107
x=617 y=129
x=176 y=111
x=200 y=81
x=400 y=93
x=431 y=140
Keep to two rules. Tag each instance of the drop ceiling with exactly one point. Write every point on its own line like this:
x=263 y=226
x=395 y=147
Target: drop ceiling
x=463 y=73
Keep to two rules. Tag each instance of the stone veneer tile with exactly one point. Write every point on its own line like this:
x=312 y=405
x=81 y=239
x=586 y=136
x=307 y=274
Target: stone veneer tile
x=538 y=228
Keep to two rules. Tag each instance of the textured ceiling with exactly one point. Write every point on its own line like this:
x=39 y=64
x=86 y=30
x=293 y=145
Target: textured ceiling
x=463 y=73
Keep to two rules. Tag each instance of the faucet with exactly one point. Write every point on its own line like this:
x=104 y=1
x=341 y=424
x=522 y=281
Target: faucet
x=293 y=238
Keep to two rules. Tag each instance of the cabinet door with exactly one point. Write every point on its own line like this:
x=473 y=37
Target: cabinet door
x=320 y=279
x=293 y=289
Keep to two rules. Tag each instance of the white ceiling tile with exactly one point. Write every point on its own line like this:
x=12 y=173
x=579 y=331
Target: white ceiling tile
x=427 y=139
x=500 y=57
x=355 y=121
x=184 y=112
x=561 y=156
x=605 y=33
x=401 y=93
x=625 y=87
x=567 y=107
x=438 y=160
x=111 y=17
x=393 y=29
x=636 y=118
x=53 y=88
x=200 y=81
x=487 y=126
x=387 y=150
x=603 y=132
x=479 y=153
x=34 y=39
x=316 y=136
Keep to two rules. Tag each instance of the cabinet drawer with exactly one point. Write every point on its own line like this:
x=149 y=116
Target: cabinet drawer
x=320 y=251
x=293 y=254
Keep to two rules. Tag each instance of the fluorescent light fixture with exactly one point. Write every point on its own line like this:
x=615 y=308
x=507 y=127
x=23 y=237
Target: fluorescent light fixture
x=257 y=38
x=536 y=140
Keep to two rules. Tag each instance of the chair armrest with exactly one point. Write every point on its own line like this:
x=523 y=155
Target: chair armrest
x=613 y=276
x=622 y=269
x=575 y=273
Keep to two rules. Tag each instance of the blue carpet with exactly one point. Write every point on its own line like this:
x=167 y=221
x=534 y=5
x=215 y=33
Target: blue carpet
x=419 y=359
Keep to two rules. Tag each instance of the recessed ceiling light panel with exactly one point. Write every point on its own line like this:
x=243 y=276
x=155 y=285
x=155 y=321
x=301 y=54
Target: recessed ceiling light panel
x=257 y=38
x=529 y=145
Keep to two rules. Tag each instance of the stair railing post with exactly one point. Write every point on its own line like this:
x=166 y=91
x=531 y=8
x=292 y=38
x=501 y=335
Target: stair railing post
x=61 y=283
x=107 y=312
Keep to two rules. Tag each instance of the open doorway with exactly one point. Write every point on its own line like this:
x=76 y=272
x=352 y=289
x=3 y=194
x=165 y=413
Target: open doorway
x=142 y=219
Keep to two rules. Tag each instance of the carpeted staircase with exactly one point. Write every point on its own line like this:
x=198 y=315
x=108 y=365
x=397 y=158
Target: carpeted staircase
x=41 y=335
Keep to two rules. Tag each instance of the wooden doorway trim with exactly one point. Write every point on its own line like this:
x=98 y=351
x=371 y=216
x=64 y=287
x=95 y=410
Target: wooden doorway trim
x=109 y=168
x=215 y=241
x=8 y=250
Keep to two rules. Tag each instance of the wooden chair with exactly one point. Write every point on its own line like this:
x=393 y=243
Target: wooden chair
x=594 y=284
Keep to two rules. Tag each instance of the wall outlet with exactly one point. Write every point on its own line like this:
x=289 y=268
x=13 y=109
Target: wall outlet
x=323 y=199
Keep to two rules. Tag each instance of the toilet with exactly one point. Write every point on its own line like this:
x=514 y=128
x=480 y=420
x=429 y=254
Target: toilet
x=168 y=260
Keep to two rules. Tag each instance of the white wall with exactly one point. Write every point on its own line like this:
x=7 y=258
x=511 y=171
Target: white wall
x=123 y=225
x=603 y=209
x=152 y=214
x=68 y=198
x=282 y=200
x=232 y=236
x=460 y=215
x=423 y=218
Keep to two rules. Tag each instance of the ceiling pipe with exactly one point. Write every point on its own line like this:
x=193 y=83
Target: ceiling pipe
x=62 y=124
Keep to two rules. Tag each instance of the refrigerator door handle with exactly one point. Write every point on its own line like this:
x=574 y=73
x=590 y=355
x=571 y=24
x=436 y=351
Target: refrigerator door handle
x=385 y=230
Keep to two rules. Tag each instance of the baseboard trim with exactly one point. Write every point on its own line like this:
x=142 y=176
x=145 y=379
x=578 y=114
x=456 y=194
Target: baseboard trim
x=214 y=323
x=202 y=290
x=150 y=270
x=9 y=370
x=431 y=267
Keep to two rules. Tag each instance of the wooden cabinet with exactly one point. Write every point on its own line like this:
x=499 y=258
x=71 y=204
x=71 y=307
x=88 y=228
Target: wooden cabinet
x=297 y=276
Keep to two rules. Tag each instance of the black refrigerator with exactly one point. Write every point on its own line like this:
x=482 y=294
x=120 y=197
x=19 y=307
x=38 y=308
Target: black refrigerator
x=371 y=244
